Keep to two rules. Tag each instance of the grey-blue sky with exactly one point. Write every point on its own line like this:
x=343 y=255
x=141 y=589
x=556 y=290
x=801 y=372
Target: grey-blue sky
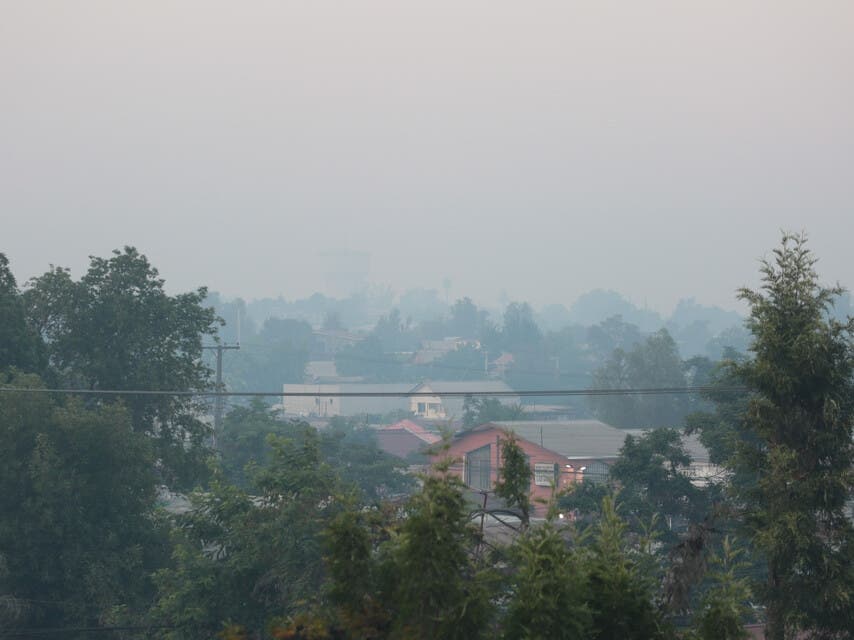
x=541 y=148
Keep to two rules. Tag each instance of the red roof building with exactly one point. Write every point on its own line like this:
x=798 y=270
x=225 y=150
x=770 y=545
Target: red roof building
x=477 y=459
x=404 y=438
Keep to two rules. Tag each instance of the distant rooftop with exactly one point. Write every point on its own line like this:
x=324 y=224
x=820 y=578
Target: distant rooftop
x=415 y=429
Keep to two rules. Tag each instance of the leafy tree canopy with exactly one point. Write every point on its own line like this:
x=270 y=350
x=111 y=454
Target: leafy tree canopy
x=117 y=328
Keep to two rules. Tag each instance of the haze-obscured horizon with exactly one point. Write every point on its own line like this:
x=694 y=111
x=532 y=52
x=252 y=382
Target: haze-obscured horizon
x=523 y=152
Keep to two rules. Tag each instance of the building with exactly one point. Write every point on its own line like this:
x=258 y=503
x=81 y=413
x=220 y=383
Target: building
x=595 y=446
x=405 y=438
x=445 y=407
x=432 y=350
x=477 y=456
x=320 y=399
x=315 y=399
x=590 y=446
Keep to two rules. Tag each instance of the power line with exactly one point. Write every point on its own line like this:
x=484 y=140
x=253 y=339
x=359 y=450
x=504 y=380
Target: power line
x=26 y=633
x=431 y=365
x=382 y=394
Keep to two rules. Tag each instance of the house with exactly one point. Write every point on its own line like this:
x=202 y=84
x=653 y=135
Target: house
x=433 y=400
x=477 y=456
x=594 y=446
x=432 y=350
x=322 y=400
x=405 y=438
x=498 y=368
x=447 y=398
x=590 y=446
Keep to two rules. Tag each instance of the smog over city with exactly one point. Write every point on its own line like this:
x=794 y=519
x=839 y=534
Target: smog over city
x=419 y=319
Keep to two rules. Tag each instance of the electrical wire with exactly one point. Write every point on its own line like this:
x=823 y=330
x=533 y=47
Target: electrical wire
x=381 y=394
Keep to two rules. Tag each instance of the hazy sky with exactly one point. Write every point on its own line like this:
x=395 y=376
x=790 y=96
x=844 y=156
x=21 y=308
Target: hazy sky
x=540 y=148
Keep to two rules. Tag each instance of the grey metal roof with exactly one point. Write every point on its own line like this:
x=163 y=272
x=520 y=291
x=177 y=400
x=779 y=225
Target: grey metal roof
x=692 y=443
x=571 y=438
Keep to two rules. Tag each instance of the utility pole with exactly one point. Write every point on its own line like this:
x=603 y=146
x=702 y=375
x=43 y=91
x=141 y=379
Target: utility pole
x=219 y=348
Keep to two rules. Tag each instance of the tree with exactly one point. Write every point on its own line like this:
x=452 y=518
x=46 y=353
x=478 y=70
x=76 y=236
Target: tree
x=247 y=557
x=724 y=606
x=116 y=328
x=620 y=593
x=244 y=440
x=466 y=319
x=520 y=330
x=279 y=355
x=610 y=334
x=795 y=442
x=463 y=363
x=652 y=473
x=20 y=345
x=78 y=530
x=434 y=587
x=352 y=450
x=548 y=589
x=482 y=410
x=514 y=478
x=654 y=363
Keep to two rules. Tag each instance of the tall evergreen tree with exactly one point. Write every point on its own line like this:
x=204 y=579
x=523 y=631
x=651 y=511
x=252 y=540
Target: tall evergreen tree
x=795 y=444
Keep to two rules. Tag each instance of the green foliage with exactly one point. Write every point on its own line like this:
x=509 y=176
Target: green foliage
x=652 y=473
x=724 y=608
x=549 y=589
x=244 y=439
x=20 y=346
x=612 y=334
x=584 y=499
x=520 y=330
x=78 y=532
x=478 y=411
x=349 y=448
x=466 y=319
x=620 y=593
x=278 y=354
x=432 y=581
x=352 y=450
x=116 y=328
x=246 y=558
x=368 y=359
x=464 y=363
x=514 y=478
x=796 y=442
x=654 y=363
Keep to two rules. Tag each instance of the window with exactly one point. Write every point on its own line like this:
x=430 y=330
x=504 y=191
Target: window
x=478 y=468
x=545 y=474
x=422 y=407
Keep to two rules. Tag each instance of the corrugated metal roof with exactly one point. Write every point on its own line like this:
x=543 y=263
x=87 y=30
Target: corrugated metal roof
x=571 y=438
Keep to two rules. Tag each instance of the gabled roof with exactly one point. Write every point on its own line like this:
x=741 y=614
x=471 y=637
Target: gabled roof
x=415 y=429
x=585 y=439
x=528 y=444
